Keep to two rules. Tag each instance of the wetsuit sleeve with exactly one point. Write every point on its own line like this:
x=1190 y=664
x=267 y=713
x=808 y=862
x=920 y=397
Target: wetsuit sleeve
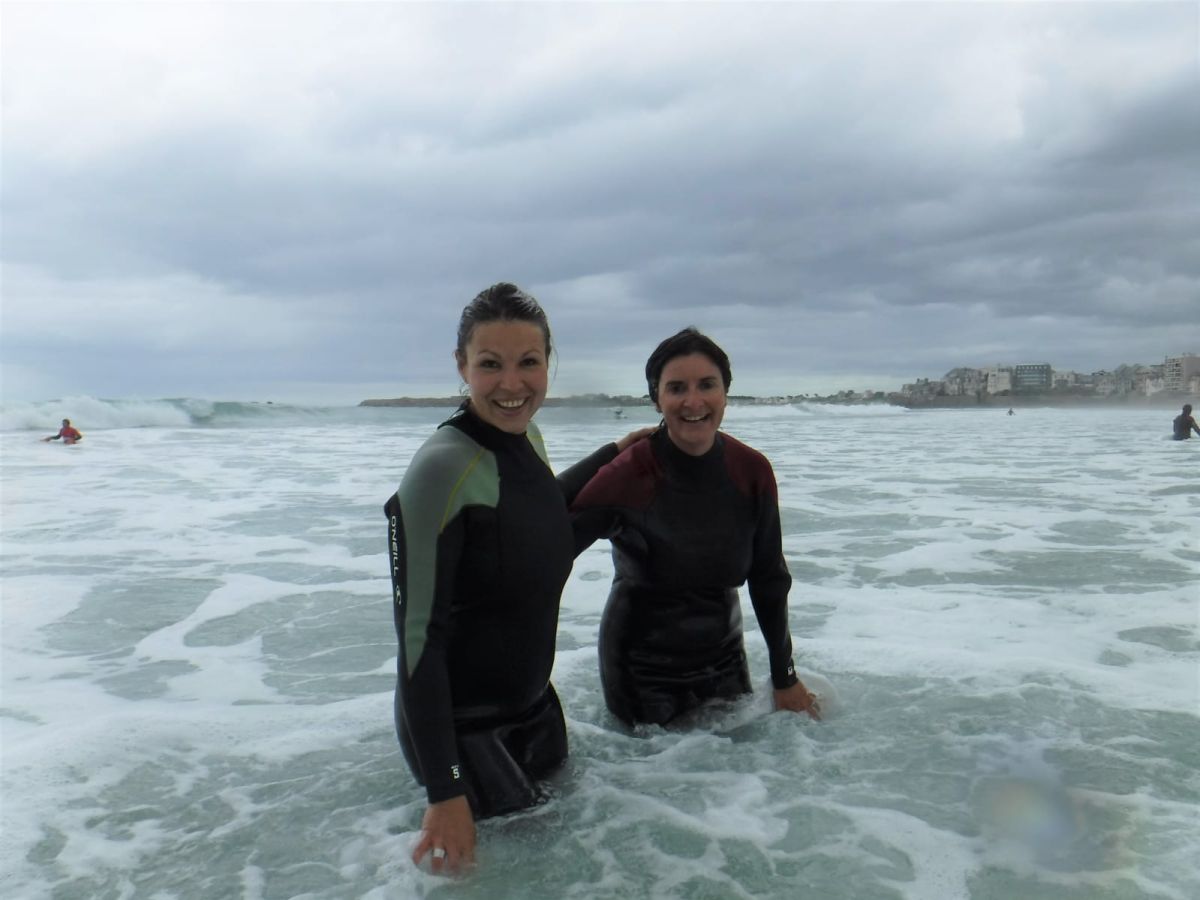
x=597 y=511
x=572 y=480
x=769 y=582
x=426 y=543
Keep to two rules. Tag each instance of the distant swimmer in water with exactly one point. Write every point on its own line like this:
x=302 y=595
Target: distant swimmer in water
x=1185 y=424
x=480 y=548
x=692 y=514
x=68 y=433
x=1010 y=411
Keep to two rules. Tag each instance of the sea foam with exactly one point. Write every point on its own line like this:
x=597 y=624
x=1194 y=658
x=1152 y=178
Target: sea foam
x=1001 y=612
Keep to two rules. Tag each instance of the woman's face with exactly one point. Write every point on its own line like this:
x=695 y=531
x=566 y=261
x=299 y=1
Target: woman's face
x=506 y=372
x=691 y=398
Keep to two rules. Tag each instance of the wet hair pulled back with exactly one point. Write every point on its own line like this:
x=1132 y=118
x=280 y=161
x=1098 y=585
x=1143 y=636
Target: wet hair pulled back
x=502 y=302
x=685 y=343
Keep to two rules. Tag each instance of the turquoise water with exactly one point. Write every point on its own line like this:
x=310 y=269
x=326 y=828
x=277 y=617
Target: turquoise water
x=1002 y=614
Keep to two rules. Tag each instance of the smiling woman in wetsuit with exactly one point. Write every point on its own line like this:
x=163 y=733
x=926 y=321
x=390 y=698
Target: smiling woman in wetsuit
x=480 y=546
x=692 y=514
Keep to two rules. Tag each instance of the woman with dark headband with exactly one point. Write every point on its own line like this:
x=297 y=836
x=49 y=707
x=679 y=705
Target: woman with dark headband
x=692 y=514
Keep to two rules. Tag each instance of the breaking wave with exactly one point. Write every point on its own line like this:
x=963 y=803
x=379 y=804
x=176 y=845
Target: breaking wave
x=183 y=412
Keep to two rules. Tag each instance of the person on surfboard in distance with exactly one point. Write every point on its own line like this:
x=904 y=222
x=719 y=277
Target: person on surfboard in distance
x=68 y=433
x=1185 y=424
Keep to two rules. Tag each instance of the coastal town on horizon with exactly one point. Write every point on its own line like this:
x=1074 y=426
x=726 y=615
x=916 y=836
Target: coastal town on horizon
x=1177 y=378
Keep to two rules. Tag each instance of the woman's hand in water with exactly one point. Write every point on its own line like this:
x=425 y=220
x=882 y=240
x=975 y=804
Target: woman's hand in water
x=798 y=699
x=447 y=836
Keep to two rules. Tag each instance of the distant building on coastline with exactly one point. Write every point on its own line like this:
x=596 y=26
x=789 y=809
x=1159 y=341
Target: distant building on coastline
x=1033 y=377
x=998 y=379
x=965 y=382
x=923 y=389
x=1105 y=383
x=1180 y=373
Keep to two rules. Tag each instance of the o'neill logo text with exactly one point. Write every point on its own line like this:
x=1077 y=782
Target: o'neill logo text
x=393 y=531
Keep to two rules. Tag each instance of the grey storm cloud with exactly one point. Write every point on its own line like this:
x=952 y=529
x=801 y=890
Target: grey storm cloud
x=887 y=189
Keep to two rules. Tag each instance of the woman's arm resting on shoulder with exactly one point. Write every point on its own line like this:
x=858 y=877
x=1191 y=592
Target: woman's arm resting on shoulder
x=572 y=480
x=634 y=436
x=448 y=836
x=797 y=699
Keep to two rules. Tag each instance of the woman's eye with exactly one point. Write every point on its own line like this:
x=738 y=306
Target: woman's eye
x=489 y=364
x=531 y=362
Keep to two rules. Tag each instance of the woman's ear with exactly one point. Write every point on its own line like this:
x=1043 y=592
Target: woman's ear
x=460 y=360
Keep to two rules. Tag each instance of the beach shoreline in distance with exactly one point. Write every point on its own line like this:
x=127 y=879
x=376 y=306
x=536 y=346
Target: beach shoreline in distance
x=998 y=401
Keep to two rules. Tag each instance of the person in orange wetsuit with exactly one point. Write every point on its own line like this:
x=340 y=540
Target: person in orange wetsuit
x=69 y=434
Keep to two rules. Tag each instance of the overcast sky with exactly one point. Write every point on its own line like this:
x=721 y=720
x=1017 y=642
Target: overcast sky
x=294 y=201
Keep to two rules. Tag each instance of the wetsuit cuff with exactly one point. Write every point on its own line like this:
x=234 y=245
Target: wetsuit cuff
x=784 y=679
x=435 y=794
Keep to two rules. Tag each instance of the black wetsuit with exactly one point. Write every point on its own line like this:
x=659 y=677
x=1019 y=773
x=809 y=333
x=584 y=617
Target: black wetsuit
x=480 y=546
x=1184 y=425
x=686 y=532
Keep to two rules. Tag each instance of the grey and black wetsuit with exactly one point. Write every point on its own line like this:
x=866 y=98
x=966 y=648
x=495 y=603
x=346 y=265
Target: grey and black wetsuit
x=480 y=546
x=686 y=532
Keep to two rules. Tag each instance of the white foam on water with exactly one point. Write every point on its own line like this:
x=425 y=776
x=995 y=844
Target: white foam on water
x=737 y=413
x=1000 y=613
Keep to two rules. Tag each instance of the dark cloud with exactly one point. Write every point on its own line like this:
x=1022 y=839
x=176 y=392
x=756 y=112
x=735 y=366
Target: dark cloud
x=892 y=189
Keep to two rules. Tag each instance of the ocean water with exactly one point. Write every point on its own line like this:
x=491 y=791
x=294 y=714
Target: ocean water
x=1000 y=612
